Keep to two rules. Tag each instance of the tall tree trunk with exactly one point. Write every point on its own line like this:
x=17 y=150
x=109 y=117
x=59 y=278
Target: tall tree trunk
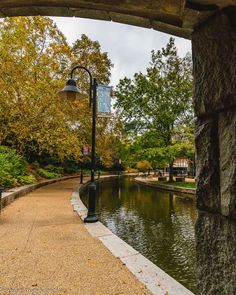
x=171 y=178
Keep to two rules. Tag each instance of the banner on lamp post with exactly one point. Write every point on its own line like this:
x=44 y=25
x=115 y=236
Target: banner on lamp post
x=104 y=100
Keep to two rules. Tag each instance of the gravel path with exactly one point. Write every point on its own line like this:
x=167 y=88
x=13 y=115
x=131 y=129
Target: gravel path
x=46 y=250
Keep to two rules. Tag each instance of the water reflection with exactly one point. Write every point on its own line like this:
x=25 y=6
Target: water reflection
x=216 y=253
x=157 y=224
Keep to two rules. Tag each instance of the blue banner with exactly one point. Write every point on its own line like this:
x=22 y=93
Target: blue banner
x=104 y=100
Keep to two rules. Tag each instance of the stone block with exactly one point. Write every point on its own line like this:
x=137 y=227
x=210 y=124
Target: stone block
x=227 y=147
x=214 y=63
x=117 y=247
x=154 y=278
x=90 y=13
x=216 y=254
x=171 y=29
x=130 y=19
x=207 y=164
x=98 y=229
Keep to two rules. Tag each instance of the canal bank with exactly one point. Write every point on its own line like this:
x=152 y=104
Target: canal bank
x=166 y=187
x=121 y=221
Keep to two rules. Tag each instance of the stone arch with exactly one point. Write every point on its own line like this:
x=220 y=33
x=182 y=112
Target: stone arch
x=177 y=17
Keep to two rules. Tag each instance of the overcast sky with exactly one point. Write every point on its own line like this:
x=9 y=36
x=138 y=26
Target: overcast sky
x=128 y=47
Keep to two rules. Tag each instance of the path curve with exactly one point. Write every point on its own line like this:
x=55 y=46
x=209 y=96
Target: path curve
x=46 y=249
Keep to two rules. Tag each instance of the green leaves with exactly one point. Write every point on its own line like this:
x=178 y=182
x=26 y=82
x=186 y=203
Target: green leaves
x=161 y=98
x=13 y=168
x=156 y=106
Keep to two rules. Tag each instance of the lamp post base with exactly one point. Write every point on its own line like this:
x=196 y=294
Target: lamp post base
x=91 y=216
x=91 y=219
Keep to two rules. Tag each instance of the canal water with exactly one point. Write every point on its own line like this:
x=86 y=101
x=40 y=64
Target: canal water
x=160 y=225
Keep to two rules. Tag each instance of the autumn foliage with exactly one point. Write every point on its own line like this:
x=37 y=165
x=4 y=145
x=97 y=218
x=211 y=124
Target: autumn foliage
x=35 y=61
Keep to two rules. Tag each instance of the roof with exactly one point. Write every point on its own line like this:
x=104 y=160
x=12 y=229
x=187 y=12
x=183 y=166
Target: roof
x=177 y=17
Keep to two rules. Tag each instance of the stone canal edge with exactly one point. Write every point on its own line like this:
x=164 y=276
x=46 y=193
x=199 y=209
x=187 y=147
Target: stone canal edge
x=166 y=187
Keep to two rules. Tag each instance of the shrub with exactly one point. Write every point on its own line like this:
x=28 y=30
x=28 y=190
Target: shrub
x=6 y=179
x=26 y=179
x=47 y=174
x=35 y=165
x=54 y=169
x=12 y=166
x=143 y=166
x=70 y=167
x=132 y=170
x=11 y=162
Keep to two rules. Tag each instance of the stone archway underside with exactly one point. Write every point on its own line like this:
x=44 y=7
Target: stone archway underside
x=177 y=17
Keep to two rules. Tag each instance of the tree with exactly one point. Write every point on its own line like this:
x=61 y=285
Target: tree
x=159 y=102
x=87 y=53
x=35 y=61
x=143 y=166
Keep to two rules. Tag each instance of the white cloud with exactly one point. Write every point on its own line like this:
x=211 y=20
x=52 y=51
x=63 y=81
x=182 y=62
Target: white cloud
x=128 y=47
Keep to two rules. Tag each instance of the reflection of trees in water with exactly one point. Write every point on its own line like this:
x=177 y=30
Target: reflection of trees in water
x=171 y=204
x=186 y=205
x=158 y=224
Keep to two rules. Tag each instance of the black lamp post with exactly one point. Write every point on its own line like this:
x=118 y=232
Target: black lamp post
x=71 y=92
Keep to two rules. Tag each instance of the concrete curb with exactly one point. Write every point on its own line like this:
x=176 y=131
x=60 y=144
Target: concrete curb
x=188 y=191
x=16 y=192
x=154 y=278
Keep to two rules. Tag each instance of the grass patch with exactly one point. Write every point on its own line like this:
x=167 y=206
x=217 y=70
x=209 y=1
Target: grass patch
x=178 y=184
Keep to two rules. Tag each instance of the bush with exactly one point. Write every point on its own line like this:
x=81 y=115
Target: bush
x=12 y=166
x=11 y=162
x=6 y=179
x=71 y=167
x=54 y=169
x=35 y=165
x=143 y=166
x=26 y=179
x=47 y=174
x=132 y=170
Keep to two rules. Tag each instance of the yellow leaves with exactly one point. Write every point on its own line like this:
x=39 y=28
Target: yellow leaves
x=35 y=61
x=143 y=166
x=30 y=78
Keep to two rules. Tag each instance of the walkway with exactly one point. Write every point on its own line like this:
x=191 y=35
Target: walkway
x=46 y=250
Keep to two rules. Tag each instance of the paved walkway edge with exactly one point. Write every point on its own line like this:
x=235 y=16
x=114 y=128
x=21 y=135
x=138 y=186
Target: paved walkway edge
x=189 y=191
x=154 y=278
x=16 y=192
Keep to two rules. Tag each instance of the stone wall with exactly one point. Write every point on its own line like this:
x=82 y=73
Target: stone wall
x=214 y=59
x=216 y=252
